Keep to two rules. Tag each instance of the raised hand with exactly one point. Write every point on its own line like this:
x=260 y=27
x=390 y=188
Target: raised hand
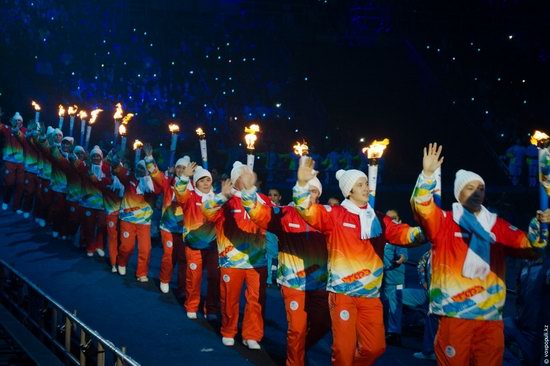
x=544 y=216
x=306 y=171
x=432 y=159
x=190 y=169
x=226 y=188
x=148 y=149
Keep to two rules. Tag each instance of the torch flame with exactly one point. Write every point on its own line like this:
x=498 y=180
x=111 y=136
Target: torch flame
x=138 y=144
x=200 y=133
x=174 y=128
x=122 y=130
x=61 y=111
x=35 y=105
x=72 y=110
x=127 y=118
x=301 y=148
x=94 y=114
x=82 y=114
x=119 y=112
x=250 y=137
x=376 y=149
x=539 y=137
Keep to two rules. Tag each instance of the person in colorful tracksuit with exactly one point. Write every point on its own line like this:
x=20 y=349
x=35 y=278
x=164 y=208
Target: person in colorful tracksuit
x=135 y=217
x=171 y=222
x=469 y=245
x=31 y=182
x=356 y=236
x=13 y=156
x=60 y=165
x=241 y=251
x=302 y=271
x=112 y=200
x=94 y=178
x=44 y=197
x=199 y=237
x=392 y=286
x=74 y=191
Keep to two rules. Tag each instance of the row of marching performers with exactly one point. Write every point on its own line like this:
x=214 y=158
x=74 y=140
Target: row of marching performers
x=330 y=258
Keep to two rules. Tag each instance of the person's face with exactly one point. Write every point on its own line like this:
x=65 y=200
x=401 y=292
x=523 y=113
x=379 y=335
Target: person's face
x=66 y=146
x=392 y=214
x=179 y=170
x=17 y=123
x=96 y=159
x=472 y=196
x=81 y=155
x=314 y=194
x=57 y=138
x=140 y=171
x=360 y=192
x=333 y=202
x=275 y=196
x=204 y=184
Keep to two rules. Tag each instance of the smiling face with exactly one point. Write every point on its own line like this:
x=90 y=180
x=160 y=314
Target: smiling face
x=314 y=194
x=275 y=196
x=66 y=146
x=96 y=159
x=179 y=170
x=360 y=192
x=472 y=196
x=204 y=184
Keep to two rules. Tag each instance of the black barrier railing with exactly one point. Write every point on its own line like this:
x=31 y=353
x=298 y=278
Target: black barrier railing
x=72 y=341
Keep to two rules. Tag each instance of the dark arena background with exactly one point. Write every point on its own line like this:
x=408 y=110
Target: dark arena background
x=470 y=75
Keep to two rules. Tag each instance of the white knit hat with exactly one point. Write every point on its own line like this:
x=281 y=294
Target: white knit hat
x=238 y=169
x=17 y=116
x=96 y=150
x=50 y=131
x=200 y=173
x=69 y=139
x=347 y=179
x=183 y=161
x=463 y=177
x=78 y=149
x=316 y=183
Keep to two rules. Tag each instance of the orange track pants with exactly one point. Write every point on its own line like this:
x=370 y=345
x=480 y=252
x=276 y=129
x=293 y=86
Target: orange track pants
x=196 y=260
x=112 y=236
x=232 y=280
x=357 y=329
x=172 y=254
x=469 y=342
x=308 y=321
x=128 y=234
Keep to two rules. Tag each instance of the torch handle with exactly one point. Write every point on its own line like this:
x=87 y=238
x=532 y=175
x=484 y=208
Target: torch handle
x=37 y=117
x=250 y=161
x=543 y=197
x=71 y=126
x=137 y=158
x=88 y=134
x=123 y=144
x=61 y=119
x=117 y=125
x=204 y=153
x=373 y=177
x=172 y=158
x=82 y=131
x=174 y=142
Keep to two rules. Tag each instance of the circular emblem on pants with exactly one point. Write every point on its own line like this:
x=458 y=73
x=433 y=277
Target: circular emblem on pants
x=26 y=181
x=126 y=234
x=111 y=224
x=45 y=189
x=450 y=351
x=294 y=305
x=193 y=266
x=72 y=209
x=226 y=278
x=169 y=244
x=344 y=315
x=7 y=171
x=88 y=213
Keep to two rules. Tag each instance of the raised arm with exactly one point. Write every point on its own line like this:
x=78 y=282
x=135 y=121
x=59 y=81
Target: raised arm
x=424 y=208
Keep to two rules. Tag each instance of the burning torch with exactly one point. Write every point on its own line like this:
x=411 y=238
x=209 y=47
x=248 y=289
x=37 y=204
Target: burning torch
x=94 y=114
x=374 y=152
x=37 y=108
x=138 y=145
x=122 y=131
x=117 y=117
x=250 y=139
x=72 y=114
x=174 y=131
x=82 y=115
x=61 y=114
x=202 y=142
x=301 y=149
x=542 y=141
